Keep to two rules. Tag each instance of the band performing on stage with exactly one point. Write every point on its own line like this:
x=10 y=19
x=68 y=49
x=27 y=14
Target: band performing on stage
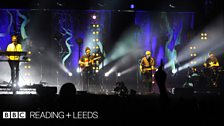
x=89 y=64
x=147 y=68
x=100 y=50
x=112 y=59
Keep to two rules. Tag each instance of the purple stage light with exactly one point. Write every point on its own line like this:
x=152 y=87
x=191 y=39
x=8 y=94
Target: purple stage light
x=132 y=6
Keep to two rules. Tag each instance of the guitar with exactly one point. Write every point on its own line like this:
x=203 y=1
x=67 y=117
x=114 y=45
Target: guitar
x=145 y=70
x=86 y=64
x=212 y=64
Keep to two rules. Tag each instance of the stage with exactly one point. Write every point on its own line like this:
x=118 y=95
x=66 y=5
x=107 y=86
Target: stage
x=112 y=60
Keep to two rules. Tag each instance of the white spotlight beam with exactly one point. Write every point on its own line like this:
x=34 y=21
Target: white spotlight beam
x=214 y=34
x=110 y=71
x=125 y=45
x=128 y=70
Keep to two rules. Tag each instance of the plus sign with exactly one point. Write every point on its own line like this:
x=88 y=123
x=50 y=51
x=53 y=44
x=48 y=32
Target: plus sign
x=68 y=115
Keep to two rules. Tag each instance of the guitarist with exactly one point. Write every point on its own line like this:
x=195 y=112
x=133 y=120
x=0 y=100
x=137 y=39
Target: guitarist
x=212 y=61
x=146 y=66
x=85 y=62
x=212 y=65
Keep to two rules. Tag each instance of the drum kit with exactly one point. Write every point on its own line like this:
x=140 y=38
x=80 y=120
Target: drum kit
x=208 y=77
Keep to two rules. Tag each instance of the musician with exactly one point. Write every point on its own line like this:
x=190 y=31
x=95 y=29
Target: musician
x=211 y=70
x=146 y=66
x=212 y=61
x=14 y=60
x=85 y=62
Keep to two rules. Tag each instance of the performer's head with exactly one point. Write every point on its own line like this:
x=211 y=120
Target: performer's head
x=87 y=50
x=14 y=39
x=210 y=54
x=148 y=54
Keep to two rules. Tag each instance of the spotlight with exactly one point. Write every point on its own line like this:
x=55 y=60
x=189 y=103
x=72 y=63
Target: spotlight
x=59 y=4
x=97 y=71
x=118 y=74
x=97 y=40
x=106 y=74
x=174 y=71
x=97 y=32
x=171 y=5
x=94 y=33
x=78 y=70
x=29 y=52
x=97 y=26
x=191 y=47
x=94 y=40
x=94 y=17
x=25 y=67
x=28 y=59
x=94 y=25
x=70 y=74
x=132 y=6
x=194 y=47
x=97 y=47
x=204 y=36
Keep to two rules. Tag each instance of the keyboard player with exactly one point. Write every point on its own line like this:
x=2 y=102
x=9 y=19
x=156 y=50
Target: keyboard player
x=14 y=60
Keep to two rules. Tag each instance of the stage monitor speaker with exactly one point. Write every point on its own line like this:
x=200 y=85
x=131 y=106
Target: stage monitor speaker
x=46 y=91
x=184 y=91
x=133 y=92
x=82 y=93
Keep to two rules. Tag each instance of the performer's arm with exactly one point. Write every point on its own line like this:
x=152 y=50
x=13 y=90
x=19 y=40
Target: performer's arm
x=142 y=61
x=205 y=64
x=217 y=63
x=20 y=49
x=80 y=62
x=8 y=49
x=141 y=65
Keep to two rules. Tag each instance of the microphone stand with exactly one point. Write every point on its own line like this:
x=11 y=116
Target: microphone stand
x=41 y=68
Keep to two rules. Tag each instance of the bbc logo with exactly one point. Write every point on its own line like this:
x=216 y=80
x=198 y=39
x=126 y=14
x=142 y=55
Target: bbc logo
x=14 y=115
